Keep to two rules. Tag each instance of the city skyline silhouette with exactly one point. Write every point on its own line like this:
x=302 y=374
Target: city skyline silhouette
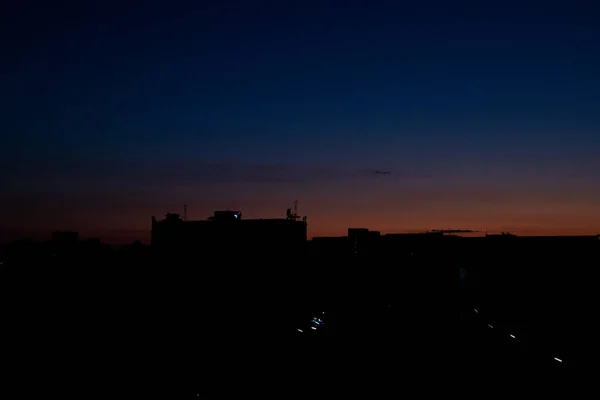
x=184 y=183
x=127 y=236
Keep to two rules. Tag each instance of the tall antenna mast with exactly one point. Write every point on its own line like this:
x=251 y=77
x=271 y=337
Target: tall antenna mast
x=185 y=212
x=293 y=215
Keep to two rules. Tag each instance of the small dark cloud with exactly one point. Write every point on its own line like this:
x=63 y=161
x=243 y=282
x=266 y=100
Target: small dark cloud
x=375 y=171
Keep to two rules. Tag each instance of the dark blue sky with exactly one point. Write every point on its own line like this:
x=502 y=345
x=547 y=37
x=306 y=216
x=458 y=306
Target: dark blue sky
x=486 y=113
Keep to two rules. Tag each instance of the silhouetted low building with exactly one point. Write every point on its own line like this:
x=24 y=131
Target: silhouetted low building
x=65 y=237
x=363 y=241
x=226 y=234
x=329 y=246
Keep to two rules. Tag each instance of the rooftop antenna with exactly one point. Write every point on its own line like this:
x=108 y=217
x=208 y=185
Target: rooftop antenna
x=185 y=212
x=293 y=215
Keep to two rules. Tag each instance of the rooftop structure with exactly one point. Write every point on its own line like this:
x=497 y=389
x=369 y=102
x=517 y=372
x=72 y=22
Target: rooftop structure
x=228 y=234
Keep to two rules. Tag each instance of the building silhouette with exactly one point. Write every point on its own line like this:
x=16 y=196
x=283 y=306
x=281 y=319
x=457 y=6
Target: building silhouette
x=65 y=237
x=227 y=234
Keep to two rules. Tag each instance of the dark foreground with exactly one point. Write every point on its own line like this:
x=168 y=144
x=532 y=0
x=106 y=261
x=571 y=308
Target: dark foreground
x=142 y=313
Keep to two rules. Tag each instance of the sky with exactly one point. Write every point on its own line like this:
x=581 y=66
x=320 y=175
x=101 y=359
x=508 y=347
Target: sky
x=486 y=114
